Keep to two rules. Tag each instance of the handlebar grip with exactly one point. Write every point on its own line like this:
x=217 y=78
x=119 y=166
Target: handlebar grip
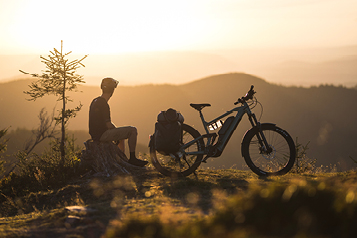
x=248 y=96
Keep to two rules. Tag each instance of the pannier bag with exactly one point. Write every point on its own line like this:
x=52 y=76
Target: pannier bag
x=168 y=131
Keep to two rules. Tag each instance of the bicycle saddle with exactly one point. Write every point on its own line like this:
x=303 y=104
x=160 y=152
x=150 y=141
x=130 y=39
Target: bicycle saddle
x=199 y=107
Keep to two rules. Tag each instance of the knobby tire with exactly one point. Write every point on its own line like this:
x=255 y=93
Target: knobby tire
x=186 y=164
x=279 y=161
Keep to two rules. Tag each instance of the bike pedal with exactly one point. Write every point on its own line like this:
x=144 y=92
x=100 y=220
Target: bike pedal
x=204 y=160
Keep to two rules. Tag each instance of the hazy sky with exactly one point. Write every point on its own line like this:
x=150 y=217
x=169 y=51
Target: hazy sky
x=36 y=26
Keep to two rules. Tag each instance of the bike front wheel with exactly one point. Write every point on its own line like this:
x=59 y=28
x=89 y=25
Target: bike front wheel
x=277 y=159
x=179 y=164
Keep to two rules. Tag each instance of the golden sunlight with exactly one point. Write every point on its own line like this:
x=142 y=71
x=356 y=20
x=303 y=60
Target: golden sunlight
x=109 y=28
x=117 y=26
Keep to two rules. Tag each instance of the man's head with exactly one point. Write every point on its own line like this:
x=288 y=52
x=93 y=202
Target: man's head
x=108 y=85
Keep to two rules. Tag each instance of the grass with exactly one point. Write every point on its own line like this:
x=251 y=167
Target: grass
x=218 y=203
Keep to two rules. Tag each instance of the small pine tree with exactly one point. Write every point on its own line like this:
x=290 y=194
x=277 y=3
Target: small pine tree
x=58 y=78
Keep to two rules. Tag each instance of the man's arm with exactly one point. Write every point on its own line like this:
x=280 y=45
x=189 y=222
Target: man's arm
x=110 y=125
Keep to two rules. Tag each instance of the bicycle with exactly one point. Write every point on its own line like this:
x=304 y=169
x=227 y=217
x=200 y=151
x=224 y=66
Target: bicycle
x=266 y=148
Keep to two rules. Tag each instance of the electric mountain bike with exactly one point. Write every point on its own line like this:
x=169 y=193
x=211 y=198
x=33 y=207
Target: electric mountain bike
x=266 y=148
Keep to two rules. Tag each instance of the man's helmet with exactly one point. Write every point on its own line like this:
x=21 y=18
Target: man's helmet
x=109 y=83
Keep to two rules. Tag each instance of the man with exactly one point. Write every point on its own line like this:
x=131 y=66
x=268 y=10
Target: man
x=101 y=127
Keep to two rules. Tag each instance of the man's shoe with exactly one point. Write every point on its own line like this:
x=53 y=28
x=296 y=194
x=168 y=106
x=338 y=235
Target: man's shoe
x=137 y=162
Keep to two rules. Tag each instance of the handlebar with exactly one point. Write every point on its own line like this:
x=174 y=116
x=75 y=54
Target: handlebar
x=248 y=96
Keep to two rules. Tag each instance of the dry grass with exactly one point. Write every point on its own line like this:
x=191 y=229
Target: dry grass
x=150 y=205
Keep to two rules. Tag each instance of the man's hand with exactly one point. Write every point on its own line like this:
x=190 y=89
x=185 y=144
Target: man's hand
x=110 y=125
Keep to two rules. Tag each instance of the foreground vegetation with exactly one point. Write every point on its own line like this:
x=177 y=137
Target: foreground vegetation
x=218 y=203
x=45 y=198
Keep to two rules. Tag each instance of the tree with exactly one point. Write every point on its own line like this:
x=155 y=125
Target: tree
x=59 y=78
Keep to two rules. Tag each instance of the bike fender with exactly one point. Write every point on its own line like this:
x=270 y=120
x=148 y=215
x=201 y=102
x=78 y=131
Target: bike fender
x=151 y=137
x=253 y=130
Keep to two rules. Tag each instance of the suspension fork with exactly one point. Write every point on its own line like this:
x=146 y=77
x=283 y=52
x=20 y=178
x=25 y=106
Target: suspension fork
x=265 y=147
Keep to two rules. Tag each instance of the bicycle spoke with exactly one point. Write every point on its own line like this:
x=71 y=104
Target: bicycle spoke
x=270 y=161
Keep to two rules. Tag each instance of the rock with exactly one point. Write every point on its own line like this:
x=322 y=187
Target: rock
x=80 y=210
x=72 y=221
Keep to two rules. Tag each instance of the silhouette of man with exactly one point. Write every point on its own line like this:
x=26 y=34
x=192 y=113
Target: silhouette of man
x=101 y=127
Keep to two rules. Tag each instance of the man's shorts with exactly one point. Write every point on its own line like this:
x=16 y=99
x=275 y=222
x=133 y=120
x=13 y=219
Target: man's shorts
x=119 y=133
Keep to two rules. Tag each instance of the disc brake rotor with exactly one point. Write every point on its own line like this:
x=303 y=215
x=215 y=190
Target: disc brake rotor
x=268 y=155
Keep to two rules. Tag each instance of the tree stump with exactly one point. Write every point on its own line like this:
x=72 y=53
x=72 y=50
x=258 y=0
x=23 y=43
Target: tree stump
x=106 y=159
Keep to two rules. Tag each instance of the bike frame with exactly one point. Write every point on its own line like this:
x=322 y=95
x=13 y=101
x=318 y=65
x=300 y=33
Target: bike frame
x=221 y=144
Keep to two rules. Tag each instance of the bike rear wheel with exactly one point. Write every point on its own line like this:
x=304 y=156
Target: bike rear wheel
x=278 y=159
x=179 y=164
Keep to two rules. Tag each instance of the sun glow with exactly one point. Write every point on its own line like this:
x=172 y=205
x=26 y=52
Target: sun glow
x=107 y=27
x=117 y=26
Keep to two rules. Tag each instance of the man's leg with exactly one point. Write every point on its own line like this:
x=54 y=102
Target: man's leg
x=121 y=145
x=133 y=136
x=132 y=139
x=121 y=133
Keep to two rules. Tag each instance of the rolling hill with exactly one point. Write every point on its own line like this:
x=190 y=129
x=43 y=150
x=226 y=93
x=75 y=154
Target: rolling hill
x=338 y=71
x=131 y=68
x=325 y=115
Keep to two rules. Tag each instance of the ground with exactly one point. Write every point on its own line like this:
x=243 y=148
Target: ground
x=105 y=204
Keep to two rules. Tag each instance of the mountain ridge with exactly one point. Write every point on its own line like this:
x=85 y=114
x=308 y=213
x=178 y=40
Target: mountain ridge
x=321 y=65
x=310 y=114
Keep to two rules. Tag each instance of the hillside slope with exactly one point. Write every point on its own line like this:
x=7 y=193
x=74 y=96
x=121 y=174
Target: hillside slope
x=151 y=205
x=323 y=115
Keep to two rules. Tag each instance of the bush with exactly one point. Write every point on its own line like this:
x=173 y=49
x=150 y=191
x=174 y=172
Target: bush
x=41 y=172
x=295 y=209
x=303 y=163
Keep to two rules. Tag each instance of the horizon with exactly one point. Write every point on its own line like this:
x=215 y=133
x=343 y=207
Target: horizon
x=94 y=84
x=180 y=41
x=280 y=66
